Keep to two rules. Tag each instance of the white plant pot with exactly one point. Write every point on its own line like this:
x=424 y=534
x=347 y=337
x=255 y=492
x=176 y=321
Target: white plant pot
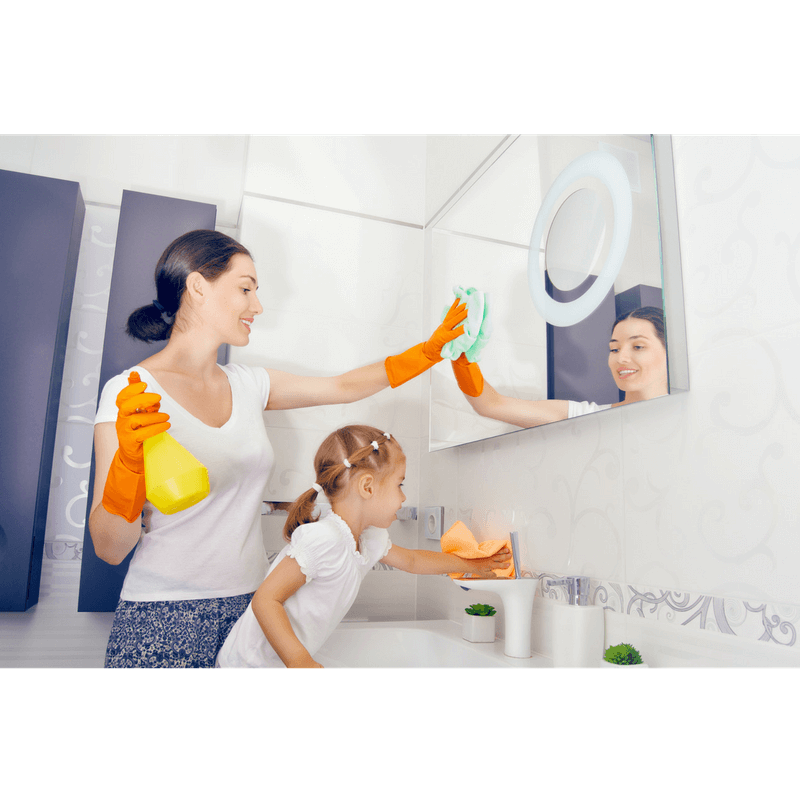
x=604 y=663
x=477 y=629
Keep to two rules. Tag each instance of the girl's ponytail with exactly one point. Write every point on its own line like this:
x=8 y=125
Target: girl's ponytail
x=301 y=512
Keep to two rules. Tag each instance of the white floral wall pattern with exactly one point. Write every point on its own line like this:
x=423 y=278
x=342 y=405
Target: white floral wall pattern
x=72 y=459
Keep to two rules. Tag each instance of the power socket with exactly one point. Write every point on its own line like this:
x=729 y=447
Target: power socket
x=434 y=515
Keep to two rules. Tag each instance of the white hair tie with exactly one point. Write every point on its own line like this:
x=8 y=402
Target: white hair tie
x=347 y=464
x=317 y=488
x=388 y=435
x=374 y=445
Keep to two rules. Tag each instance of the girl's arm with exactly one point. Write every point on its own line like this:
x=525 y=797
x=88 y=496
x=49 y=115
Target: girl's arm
x=428 y=562
x=268 y=601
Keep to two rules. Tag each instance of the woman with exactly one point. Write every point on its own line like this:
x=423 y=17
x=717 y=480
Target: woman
x=637 y=359
x=194 y=572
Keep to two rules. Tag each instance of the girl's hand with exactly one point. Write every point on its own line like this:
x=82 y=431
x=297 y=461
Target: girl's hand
x=483 y=567
x=306 y=664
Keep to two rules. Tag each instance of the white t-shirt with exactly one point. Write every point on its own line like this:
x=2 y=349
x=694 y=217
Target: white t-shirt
x=215 y=548
x=326 y=553
x=579 y=409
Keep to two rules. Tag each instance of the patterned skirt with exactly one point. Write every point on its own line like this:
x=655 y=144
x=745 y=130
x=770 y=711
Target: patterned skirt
x=172 y=633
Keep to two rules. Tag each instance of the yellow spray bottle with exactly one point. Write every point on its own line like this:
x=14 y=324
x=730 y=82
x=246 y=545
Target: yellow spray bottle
x=174 y=479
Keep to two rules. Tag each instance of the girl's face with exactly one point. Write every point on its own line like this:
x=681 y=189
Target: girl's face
x=637 y=359
x=232 y=304
x=389 y=495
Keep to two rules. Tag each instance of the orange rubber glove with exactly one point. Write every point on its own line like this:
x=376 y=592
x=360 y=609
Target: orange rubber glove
x=416 y=360
x=468 y=376
x=138 y=419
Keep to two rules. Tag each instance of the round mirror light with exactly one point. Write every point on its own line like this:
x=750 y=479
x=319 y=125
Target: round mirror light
x=611 y=174
x=575 y=239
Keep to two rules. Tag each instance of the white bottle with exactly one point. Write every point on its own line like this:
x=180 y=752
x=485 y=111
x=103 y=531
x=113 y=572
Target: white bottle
x=578 y=626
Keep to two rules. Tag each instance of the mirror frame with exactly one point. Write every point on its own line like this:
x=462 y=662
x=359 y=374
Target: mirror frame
x=669 y=251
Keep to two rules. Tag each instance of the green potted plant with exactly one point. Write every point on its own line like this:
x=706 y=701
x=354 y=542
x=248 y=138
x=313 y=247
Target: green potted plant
x=622 y=655
x=478 y=623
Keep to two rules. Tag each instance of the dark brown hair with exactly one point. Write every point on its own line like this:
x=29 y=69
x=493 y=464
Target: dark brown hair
x=356 y=443
x=203 y=251
x=652 y=314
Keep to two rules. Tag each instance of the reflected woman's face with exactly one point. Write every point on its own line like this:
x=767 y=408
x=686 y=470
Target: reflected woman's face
x=637 y=359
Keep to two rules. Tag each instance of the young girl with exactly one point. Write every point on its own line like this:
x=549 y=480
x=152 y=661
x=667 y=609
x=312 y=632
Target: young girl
x=316 y=577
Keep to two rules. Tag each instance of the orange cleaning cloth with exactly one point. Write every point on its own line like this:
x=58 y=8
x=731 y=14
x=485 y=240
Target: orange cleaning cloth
x=460 y=541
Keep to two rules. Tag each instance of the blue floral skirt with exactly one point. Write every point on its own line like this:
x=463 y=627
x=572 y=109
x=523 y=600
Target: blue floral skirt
x=172 y=633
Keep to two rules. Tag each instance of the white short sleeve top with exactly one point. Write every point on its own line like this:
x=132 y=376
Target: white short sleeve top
x=326 y=553
x=579 y=409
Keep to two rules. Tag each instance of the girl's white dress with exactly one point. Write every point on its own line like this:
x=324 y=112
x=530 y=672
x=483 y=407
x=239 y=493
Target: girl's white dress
x=326 y=554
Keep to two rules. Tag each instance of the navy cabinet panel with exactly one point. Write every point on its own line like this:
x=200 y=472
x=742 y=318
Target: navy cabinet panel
x=577 y=356
x=147 y=224
x=41 y=221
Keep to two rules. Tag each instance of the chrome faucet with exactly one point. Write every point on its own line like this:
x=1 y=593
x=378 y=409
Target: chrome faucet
x=514 y=538
x=577 y=588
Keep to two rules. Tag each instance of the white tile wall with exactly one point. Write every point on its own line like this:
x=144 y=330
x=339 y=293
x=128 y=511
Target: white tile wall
x=381 y=176
x=207 y=169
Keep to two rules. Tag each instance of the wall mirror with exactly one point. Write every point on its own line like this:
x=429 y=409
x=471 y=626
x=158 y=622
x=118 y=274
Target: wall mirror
x=562 y=233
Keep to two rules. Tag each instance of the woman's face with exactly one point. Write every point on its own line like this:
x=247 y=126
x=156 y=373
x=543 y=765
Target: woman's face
x=637 y=359
x=232 y=302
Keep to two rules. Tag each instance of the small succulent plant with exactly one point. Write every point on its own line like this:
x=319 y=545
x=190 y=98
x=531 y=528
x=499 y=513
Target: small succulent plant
x=623 y=654
x=481 y=610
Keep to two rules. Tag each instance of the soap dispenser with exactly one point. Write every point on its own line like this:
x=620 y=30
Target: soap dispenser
x=578 y=626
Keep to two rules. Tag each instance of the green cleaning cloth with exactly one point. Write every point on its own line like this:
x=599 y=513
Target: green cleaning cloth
x=477 y=326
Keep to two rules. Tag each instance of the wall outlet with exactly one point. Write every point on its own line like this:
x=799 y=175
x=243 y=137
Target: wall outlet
x=433 y=522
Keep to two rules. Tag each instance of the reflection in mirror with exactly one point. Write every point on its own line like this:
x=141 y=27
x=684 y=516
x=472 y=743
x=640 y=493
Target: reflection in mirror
x=563 y=235
x=575 y=240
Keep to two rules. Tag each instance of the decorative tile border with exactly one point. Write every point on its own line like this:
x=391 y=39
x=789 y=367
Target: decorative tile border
x=777 y=623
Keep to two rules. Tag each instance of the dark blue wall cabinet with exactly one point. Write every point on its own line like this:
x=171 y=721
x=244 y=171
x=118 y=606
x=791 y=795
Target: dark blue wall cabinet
x=638 y=297
x=577 y=356
x=41 y=221
x=147 y=224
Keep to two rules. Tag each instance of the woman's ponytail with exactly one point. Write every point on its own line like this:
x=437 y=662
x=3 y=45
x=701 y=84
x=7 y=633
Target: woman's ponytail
x=149 y=324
